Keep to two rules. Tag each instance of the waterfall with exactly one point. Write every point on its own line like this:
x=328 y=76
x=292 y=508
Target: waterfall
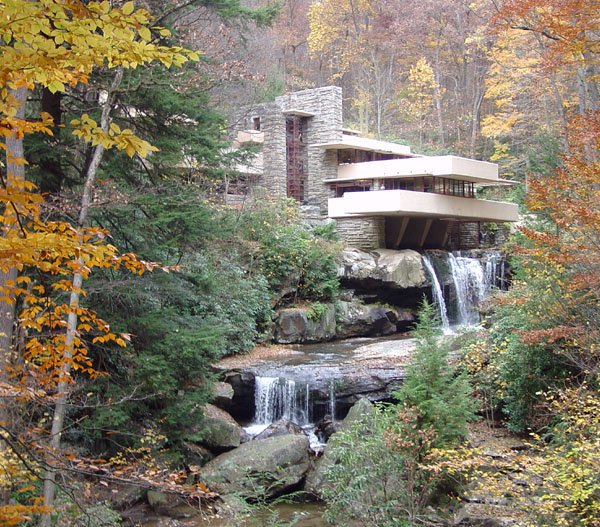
x=332 y=400
x=437 y=294
x=495 y=271
x=469 y=285
x=472 y=279
x=275 y=399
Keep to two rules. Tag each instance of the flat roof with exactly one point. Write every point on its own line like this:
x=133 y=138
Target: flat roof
x=479 y=182
x=453 y=167
x=370 y=145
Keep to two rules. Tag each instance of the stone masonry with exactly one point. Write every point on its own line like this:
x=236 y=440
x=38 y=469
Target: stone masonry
x=362 y=233
x=324 y=124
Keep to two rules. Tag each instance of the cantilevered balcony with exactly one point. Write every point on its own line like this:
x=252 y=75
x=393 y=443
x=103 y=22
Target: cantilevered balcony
x=480 y=172
x=420 y=204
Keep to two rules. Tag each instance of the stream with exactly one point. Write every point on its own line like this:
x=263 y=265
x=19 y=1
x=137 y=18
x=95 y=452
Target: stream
x=297 y=514
x=305 y=384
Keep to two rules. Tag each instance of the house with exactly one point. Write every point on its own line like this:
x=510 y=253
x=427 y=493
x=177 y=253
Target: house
x=380 y=193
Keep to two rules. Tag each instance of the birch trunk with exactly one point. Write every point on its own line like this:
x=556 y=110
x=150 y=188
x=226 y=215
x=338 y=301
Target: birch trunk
x=16 y=173
x=63 y=386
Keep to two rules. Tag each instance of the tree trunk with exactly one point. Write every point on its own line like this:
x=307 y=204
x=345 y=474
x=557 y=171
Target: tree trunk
x=15 y=169
x=475 y=116
x=63 y=386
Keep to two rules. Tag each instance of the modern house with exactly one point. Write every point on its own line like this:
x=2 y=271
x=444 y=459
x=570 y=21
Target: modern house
x=380 y=193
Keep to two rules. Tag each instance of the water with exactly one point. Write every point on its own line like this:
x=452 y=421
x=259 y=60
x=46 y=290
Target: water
x=284 y=399
x=471 y=280
x=332 y=401
x=277 y=399
x=297 y=514
x=469 y=286
x=438 y=295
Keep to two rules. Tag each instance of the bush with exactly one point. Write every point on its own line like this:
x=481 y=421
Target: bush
x=297 y=260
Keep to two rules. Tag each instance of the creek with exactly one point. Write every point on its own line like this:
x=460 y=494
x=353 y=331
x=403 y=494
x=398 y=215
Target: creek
x=307 y=382
x=302 y=515
x=307 y=385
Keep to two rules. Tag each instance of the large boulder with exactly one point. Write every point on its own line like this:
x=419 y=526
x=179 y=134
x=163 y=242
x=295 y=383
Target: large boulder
x=355 y=319
x=221 y=431
x=222 y=394
x=315 y=479
x=383 y=267
x=260 y=469
x=305 y=324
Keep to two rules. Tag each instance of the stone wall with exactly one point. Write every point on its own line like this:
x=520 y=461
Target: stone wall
x=325 y=125
x=362 y=233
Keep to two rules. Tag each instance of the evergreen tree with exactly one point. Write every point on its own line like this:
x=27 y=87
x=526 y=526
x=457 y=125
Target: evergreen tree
x=432 y=386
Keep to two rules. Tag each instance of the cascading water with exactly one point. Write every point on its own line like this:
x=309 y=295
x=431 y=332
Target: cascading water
x=437 y=294
x=469 y=286
x=471 y=280
x=332 y=400
x=277 y=398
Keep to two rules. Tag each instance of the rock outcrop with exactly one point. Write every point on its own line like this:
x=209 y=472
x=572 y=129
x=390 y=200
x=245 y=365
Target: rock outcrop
x=296 y=324
x=267 y=466
x=280 y=428
x=355 y=319
x=222 y=394
x=383 y=267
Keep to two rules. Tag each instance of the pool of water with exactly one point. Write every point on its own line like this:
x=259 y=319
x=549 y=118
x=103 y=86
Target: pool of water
x=282 y=515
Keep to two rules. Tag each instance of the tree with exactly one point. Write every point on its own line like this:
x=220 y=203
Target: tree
x=56 y=45
x=440 y=395
x=568 y=33
x=421 y=92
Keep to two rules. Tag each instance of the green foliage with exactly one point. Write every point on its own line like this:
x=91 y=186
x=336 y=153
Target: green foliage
x=274 y=86
x=513 y=369
x=363 y=483
x=295 y=259
x=386 y=471
x=442 y=396
x=234 y=10
x=316 y=311
x=390 y=464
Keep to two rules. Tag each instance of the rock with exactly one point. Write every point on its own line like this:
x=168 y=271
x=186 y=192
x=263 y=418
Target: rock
x=299 y=325
x=485 y=515
x=168 y=504
x=126 y=497
x=196 y=454
x=280 y=428
x=222 y=394
x=315 y=478
x=354 y=319
x=325 y=428
x=221 y=431
x=262 y=468
x=363 y=407
x=231 y=506
x=383 y=267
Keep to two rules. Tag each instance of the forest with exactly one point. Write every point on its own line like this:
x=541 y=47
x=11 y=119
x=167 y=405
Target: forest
x=125 y=275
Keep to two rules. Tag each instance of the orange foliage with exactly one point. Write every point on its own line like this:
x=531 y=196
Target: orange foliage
x=570 y=27
x=55 y=44
x=570 y=245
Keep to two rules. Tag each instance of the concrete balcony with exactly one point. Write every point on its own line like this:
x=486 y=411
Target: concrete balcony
x=480 y=172
x=420 y=204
